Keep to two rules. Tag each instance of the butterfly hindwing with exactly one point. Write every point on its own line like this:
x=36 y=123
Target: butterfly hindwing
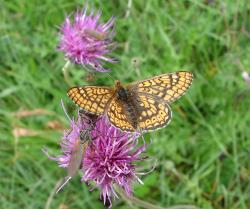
x=117 y=116
x=154 y=114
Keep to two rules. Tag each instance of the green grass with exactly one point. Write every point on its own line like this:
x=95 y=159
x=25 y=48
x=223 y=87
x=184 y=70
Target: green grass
x=202 y=156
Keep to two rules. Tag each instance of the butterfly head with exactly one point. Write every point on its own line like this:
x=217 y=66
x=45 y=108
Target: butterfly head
x=118 y=84
x=120 y=91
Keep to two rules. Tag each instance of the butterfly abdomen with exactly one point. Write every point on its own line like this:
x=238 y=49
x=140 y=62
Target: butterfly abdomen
x=132 y=115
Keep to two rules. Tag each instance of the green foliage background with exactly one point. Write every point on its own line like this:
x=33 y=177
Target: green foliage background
x=203 y=156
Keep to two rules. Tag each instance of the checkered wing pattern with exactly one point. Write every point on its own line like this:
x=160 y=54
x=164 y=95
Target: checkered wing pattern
x=92 y=99
x=118 y=117
x=167 y=87
x=154 y=114
x=150 y=101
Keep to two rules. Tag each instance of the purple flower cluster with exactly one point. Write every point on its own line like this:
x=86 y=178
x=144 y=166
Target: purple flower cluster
x=85 y=41
x=110 y=157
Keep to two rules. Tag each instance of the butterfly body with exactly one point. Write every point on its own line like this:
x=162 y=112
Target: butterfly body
x=142 y=105
x=129 y=104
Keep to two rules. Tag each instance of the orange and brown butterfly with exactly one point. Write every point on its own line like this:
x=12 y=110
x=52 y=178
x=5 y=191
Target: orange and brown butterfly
x=139 y=106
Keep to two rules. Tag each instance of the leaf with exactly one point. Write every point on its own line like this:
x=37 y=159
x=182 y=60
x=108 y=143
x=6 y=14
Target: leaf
x=8 y=91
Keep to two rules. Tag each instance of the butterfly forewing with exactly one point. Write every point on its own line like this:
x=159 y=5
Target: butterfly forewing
x=92 y=99
x=167 y=87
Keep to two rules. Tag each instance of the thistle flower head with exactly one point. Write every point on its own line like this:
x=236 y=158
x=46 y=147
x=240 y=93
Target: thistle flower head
x=85 y=41
x=111 y=159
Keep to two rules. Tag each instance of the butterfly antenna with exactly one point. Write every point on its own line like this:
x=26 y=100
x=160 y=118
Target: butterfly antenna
x=64 y=109
x=63 y=183
x=46 y=152
x=149 y=171
x=110 y=76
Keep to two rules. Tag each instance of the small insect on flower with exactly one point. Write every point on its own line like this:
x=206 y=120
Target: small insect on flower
x=85 y=41
x=140 y=106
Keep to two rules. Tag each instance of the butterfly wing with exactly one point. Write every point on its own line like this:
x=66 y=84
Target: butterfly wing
x=92 y=99
x=117 y=116
x=153 y=114
x=167 y=87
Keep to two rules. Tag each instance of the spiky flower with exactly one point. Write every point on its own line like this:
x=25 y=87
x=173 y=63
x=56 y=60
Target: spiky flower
x=111 y=159
x=85 y=41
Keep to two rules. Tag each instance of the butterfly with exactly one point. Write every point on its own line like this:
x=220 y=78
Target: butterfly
x=142 y=105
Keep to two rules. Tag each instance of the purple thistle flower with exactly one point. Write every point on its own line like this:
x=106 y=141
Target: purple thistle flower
x=85 y=41
x=111 y=158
